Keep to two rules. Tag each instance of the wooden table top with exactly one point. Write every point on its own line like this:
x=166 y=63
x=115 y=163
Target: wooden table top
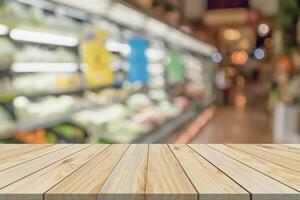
x=154 y=172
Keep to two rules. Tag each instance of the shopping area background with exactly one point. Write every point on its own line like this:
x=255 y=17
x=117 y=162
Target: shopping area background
x=149 y=71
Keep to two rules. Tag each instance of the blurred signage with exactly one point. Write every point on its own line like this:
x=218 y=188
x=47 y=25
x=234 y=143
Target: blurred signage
x=175 y=70
x=97 y=57
x=138 y=60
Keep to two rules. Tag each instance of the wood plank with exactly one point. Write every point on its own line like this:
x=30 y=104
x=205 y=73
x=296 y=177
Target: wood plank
x=282 y=174
x=87 y=181
x=18 y=172
x=24 y=149
x=16 y=160
x=280 y=150
x=295 y=146
x=165 y=177
x=270 y=156
x=128 y=179
x=34 y=186
x=259 y=185
x=8 y=147
x=210 y=182
x=284 y=147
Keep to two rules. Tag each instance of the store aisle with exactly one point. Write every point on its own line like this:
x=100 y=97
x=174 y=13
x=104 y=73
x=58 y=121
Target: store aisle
x=230 y=125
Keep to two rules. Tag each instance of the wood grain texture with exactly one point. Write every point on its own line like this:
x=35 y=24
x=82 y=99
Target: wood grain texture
x=128 y=179
x=9 y=153
x=165 y=177
x=86 y=182
x=210 y=182
x=9 y=147
x=18 y=172
x=282 y=174
x=149 y=172
x=270 y=156
x=289 y=152
x=34 y=186
x=259 y=185
x=16 y=160
x=294 y=146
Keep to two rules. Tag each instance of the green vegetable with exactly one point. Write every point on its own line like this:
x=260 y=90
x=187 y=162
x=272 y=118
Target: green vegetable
x=51 y=137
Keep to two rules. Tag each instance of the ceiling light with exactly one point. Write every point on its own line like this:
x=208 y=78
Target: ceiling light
x=118 y=47
x=43 y=38
x=155 y=54
x=44 y=67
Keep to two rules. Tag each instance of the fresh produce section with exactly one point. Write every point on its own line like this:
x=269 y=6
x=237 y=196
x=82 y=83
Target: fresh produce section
x=73 y=75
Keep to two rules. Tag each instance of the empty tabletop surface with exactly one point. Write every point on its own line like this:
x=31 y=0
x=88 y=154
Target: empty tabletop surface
x=154 y=172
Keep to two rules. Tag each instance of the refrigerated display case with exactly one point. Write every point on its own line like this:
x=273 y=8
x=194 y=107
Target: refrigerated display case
x=44 y=70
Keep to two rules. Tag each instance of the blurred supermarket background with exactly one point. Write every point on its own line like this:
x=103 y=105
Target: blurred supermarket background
x=149 y=71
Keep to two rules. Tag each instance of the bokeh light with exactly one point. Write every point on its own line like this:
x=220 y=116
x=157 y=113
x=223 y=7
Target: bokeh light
x=259 y=53
x=239 y=57
x=217 y=57
x=263 y=30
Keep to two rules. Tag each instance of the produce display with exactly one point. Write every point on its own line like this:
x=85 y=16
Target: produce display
x=13 y=12
x=43 y=54
x=122 y=123
x=45 y=108
x=51 y=82
x=73 y=77
x=107 y=96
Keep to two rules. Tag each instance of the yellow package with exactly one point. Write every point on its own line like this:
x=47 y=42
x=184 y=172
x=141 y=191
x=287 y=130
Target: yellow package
x=97 y=58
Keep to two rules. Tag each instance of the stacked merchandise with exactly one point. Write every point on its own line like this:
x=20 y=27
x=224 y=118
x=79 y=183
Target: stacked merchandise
x=71 y=77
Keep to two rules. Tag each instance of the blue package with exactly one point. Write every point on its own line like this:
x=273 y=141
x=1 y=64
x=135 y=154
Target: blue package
x=138 y=61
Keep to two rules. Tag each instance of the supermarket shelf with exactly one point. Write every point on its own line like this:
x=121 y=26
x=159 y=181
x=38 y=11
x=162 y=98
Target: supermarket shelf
x=71 y=92
x=38 y=95
x=46 y=123
x=43 y=37
x=140 y=20
x=44 y=67
x=162 y=133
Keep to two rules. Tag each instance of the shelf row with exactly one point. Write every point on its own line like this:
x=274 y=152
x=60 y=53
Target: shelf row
x=160 y=133
x=50 y=89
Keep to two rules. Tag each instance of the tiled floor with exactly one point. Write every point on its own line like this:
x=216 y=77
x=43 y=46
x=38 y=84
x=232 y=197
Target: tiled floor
x=230 y=125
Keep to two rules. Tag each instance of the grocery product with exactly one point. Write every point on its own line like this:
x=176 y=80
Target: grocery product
x=46 y=108
x=51 y=82
x=32 y=54
x=32 y=137
x=138 y=60
x=136 y=102
x=69 y=133
x=7 y=53
x=97 y=57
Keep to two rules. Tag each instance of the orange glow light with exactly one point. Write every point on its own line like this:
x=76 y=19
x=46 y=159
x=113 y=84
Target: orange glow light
x=239 y=57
